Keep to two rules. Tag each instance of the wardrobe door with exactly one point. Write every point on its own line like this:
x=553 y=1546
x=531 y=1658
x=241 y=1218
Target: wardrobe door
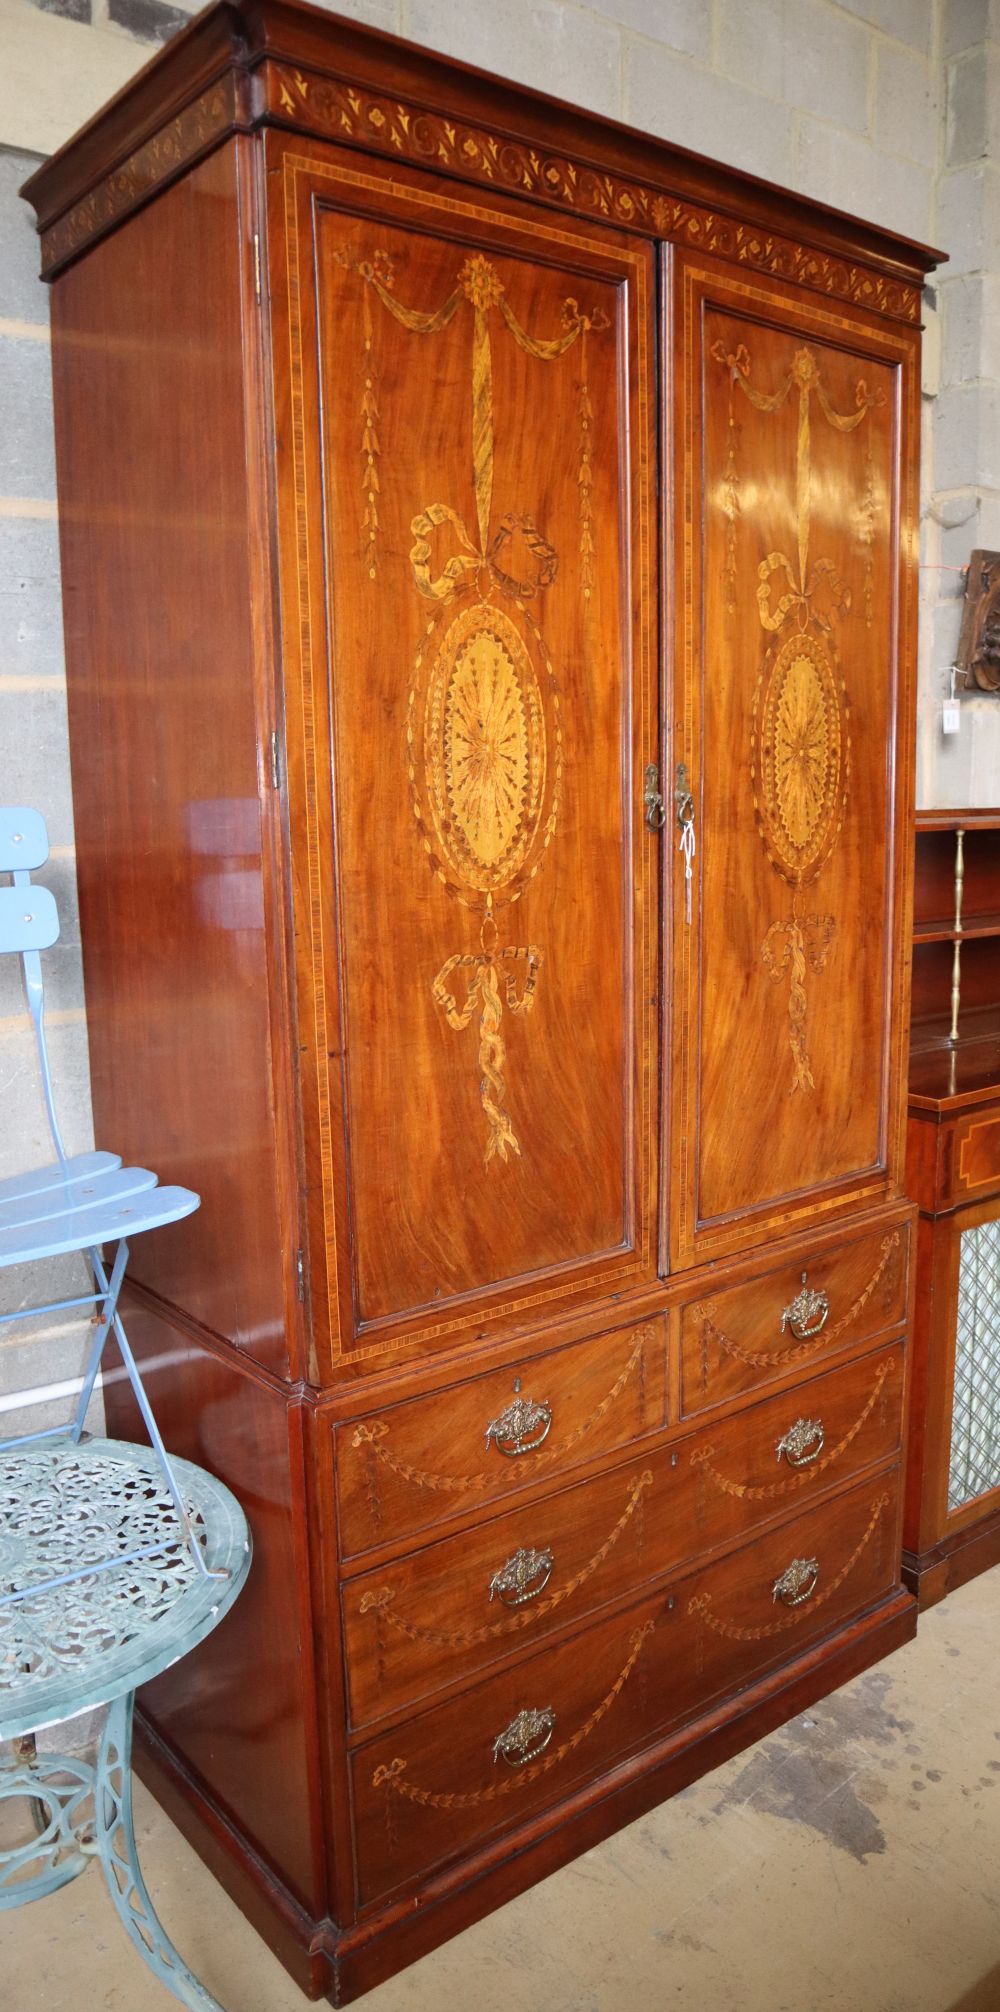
x=795 y=457
x=467 y=462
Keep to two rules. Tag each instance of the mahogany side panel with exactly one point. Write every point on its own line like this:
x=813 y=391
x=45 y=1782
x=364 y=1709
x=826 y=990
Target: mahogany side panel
x=160 y=597
x=239 y=1715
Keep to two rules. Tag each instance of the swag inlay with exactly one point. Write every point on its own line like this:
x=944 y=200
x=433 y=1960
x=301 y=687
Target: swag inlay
x=484 y=731
x=800 y=742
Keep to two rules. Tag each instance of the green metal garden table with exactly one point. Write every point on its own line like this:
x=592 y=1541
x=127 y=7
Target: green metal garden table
x=79 y=1642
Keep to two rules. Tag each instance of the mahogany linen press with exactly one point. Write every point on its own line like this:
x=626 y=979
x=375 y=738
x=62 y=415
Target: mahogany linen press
x=489 y=567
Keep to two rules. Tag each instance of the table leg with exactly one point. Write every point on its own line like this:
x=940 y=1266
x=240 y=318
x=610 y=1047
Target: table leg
x=57 y=1789
x=114 y=1843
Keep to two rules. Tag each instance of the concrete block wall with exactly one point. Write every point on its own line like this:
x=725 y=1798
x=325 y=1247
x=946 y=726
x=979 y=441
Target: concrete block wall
x=886 y=108
x=962 y=505
x=34 y=769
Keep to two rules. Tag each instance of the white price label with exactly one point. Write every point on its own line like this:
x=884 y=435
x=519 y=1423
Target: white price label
x=951 y=716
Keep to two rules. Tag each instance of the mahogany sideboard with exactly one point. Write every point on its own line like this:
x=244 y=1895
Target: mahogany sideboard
x=489 y=543
x=951 y=1525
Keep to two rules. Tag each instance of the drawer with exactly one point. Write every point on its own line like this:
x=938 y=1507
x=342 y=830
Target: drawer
x=452 y=1609
x=444 y=1782
x=414 y=1465
x=976 y=1158
x=791 y=1318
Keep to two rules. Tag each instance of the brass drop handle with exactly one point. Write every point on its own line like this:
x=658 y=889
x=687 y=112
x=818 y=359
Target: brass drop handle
x=797 y=1583
x=656 y=815
x=521 y=1427
x=525 y=1738
x=523 y=1577
x=803 y=1442
x=808 y=1313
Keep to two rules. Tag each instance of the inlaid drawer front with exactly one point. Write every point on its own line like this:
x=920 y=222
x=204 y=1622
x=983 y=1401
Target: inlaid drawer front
x=764 y=1461
x=791 y=1318
x=977 y=1154
x=439 y=1784
x=443 y=1782
x=453 y=1608
x=761 y=1604
x=416 y=1464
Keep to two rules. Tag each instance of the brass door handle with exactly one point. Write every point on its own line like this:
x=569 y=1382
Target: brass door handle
x=521 y=1427
x=797 y=1582
x=808 y=1313
x=802 y=1443
x=523 y=1577
x=525 y=1738
x=655 y=809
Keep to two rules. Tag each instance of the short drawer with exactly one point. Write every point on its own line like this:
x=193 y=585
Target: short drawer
x=452 y=1609
x=414 y=1465
x=976 y=1154
x=442 y=1783
x=791 y=1318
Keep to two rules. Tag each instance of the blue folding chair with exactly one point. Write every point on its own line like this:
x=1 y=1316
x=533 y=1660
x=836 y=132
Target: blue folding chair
x=76 y=1203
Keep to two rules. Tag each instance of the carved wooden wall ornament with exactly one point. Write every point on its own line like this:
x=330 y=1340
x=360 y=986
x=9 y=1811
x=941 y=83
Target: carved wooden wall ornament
x=978 y=654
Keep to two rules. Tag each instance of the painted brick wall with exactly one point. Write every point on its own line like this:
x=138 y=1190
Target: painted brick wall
x=866 y=104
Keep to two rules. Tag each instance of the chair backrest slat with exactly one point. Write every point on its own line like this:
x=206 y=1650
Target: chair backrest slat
x=29 y=922
x=24 y=841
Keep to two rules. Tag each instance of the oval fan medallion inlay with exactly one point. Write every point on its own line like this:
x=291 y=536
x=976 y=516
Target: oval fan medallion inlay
x=484 y=748
x=800 y=757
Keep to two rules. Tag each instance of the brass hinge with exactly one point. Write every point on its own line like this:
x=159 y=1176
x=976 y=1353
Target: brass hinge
x=256 y=265
x=275 y=762
x=300 y=1275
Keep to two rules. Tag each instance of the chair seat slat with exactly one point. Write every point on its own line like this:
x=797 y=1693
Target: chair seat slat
x=90 y=1191
x=83 y=1228
x=56 y=1174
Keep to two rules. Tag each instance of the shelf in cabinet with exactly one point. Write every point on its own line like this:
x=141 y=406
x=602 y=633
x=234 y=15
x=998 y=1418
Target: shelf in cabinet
x=944 y=931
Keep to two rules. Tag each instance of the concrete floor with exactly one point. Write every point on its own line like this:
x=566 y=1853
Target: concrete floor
x=849 y=1863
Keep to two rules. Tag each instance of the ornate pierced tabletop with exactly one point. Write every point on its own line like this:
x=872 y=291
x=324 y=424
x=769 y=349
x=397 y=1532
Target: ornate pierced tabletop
x=80 y=1642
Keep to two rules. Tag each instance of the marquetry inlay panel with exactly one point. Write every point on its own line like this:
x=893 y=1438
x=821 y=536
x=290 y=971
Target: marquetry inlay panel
x=344 y=112
x=201 y=125
x=795 y=431
x=474 y=414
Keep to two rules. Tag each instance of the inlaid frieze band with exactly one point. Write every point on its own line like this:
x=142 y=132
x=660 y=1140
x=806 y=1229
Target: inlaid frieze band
x=341 y=111
x=159 y=160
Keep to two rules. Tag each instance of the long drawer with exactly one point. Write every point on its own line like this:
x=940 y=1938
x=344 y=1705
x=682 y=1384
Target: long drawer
x=790 y=1319
x=453 y=1608
x=416 y=1464
x=443 y=1782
